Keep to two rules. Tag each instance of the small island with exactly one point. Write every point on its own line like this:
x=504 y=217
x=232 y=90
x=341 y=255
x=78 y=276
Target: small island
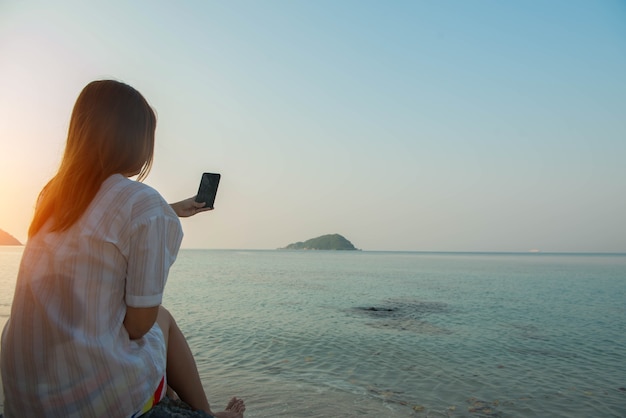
x=8 y=239
x=325 y=242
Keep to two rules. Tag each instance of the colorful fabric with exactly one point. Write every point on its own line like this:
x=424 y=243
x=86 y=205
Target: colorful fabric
x=65 y=351
x=156 y=397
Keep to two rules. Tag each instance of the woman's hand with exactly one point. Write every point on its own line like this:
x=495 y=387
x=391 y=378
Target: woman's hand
x=188 y=207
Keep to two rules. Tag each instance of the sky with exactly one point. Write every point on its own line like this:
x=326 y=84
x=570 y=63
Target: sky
x=402 y=125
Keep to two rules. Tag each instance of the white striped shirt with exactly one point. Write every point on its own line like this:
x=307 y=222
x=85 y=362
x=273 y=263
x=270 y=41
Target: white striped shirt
x=65 y=351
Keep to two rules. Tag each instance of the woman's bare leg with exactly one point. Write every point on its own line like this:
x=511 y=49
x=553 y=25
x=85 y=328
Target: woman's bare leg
x=182 y=372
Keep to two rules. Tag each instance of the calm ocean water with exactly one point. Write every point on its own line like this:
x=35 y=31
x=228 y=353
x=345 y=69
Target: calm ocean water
x=392 y=334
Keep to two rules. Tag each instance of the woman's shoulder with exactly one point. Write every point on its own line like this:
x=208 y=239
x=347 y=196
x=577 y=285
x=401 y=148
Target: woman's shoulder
x=139 y=198
x=118 y=182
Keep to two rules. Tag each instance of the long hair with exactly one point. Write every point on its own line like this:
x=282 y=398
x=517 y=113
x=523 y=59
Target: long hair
x=111 y=131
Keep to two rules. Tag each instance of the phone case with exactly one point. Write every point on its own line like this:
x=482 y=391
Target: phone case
x=208 y=189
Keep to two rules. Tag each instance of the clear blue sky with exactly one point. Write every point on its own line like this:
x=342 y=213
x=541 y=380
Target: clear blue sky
x=402 y=125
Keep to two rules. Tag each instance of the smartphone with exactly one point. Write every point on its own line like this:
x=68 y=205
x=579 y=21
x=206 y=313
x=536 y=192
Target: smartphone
x=208 y=189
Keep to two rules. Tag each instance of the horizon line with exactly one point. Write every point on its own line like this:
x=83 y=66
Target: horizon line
x=530 y=252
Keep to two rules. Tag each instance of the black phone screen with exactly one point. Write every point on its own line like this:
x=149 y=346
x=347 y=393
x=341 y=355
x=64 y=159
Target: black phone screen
x=208 y=189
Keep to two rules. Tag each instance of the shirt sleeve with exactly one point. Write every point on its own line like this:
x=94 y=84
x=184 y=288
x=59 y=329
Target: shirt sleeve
x=154 y=244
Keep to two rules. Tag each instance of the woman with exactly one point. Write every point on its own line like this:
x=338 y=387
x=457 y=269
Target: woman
x=87 y=336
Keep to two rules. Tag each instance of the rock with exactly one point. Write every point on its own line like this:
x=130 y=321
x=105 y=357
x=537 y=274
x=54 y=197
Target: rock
x=375 y=309
x=170 y=408
x=174 y=408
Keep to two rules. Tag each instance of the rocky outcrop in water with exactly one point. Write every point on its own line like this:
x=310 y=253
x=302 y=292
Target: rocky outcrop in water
x=404 y=315
x=8 y=239
x=325 y=242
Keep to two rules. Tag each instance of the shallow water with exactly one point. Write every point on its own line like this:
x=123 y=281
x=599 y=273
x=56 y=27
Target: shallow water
x=391 y=334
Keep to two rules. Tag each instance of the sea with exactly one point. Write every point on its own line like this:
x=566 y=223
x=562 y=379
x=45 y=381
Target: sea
x=399 y=334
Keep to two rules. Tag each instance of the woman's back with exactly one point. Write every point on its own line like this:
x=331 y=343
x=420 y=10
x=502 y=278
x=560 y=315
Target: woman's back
x=65 y=351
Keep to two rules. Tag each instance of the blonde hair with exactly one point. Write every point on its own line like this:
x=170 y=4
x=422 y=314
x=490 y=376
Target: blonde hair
x=111 y=131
